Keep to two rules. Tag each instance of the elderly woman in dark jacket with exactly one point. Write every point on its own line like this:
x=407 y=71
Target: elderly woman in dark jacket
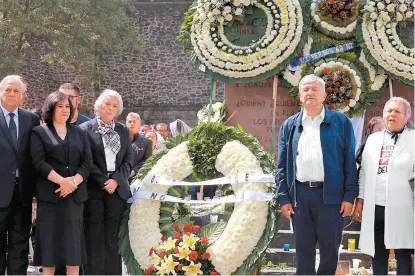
x=62 y=157
x=108 y=186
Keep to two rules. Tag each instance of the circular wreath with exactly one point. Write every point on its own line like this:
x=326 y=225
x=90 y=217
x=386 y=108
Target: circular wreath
x=335 y=18
x=208 y=151
x=352 y=84
x=380 y=38
x=285 y=33
x=343 y=85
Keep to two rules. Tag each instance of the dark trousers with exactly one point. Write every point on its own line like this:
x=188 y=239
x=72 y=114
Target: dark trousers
x=381 y=258
x=102 y=219
x=315 y=222
x=15 y=223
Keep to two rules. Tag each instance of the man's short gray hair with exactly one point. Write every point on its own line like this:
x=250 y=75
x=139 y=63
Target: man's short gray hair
x=134 y=115
x=159 y=125
x=309 y=79
x=401 y=101
x=23 y=85
x=105 y=95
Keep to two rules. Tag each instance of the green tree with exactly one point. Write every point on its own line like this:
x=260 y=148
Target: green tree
x=70 y=32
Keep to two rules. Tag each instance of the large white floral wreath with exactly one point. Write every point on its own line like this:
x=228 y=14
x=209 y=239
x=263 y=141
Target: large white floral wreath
x=212 y=48
x=379 y=33
x=245 y=228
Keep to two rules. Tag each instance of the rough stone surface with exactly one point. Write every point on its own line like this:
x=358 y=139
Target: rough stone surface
x=159 y=83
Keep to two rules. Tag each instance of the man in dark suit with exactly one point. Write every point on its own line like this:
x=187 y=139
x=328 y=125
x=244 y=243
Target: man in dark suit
x=108 y=186
x=142 y=147
x=17 y=177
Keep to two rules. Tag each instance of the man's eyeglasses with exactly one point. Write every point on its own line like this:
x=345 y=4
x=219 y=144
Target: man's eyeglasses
x=72 y=97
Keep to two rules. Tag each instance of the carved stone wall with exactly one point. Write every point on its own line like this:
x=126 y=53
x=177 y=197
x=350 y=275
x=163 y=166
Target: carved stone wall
x=159 y=83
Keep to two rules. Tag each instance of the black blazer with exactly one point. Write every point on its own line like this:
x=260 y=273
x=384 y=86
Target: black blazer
x=12 y=158
x=142 y=149
x=99 y=173
x=47 y=157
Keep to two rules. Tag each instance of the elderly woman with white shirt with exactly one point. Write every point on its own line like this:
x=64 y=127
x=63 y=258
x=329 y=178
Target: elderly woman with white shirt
x=108 y=186
x=385 y=205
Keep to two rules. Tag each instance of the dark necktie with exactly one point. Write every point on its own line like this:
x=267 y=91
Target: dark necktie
x=13 y=128
x=395 y=135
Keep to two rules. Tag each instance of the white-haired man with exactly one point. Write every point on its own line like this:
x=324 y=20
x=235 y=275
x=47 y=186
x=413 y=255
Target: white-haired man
x=17 y=175
x=142 y=147
x=317 y=177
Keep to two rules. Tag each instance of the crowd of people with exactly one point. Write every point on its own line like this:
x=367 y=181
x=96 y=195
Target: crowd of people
x=79 y=170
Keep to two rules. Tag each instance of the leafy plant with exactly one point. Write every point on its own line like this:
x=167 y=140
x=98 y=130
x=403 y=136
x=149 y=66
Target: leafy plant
x=69 y=33
x=213 y=231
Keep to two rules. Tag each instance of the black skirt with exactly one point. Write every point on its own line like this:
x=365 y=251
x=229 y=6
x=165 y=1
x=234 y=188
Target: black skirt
x=60 y=233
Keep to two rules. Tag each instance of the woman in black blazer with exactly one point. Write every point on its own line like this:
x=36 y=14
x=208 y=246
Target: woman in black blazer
x=62 y=158
x=108 y=186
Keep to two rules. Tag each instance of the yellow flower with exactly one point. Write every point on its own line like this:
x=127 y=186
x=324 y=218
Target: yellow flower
x=155 y=259
x=161 y=270
x=170 y=264
x=189 y=241
x=183 y=253
x=193 y=269
x=169 y=244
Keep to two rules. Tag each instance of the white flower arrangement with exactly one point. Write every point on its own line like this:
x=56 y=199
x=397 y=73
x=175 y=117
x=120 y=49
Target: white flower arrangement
x=377 y=80
x=217 y=115
x=144 y=231
x=294 y=78
x=381 y=38
x=218 y=54
x=245 y=227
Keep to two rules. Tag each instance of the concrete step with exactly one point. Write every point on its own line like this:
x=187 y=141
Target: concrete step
x=277 y=256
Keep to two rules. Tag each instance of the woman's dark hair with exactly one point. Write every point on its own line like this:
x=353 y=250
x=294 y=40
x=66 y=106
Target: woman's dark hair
x=37 y=112
x=50 y=103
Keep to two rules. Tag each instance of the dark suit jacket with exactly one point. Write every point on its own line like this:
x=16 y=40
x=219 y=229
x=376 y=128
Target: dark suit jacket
x=47 y=157
x=142 y=149
x=99 y=173
x=12 y=158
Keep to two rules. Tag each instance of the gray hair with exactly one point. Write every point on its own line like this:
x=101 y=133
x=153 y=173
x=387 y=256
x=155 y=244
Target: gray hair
x=159 y=125
x=23 y=85
x=134 y=115
x=309 y=79
x=105 y=95
x=401 y=101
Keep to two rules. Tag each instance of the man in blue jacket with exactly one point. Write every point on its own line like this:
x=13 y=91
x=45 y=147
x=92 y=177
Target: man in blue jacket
x=317 y=177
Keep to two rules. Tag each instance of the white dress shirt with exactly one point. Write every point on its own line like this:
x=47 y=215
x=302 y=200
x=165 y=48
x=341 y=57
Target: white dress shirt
x=309 y=161
x=7 y=116
x=110 y=157
x=16 y=121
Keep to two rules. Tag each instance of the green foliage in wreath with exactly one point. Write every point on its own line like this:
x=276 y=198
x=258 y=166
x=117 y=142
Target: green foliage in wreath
x=205 y=143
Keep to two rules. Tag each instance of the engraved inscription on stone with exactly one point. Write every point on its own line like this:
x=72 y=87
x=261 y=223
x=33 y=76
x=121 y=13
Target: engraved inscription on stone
x=251 y=106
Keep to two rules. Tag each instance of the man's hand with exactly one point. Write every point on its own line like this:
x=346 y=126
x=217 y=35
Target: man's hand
x=358 y=210
x=346 y=208
x=110 y=186
x=287 y=210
